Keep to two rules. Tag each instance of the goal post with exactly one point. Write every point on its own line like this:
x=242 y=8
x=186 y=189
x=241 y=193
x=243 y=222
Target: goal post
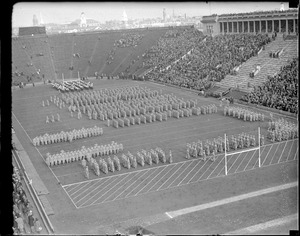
x=258 y=147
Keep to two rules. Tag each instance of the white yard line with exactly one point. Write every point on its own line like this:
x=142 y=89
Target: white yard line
x=267 y=155
x=129 y=186
x=104 y=192
x=190 y=172
x=88 y=188
x=231 y=199
x=149 y=181
x=172 y=176
x=94 y=190
x=234 y=162
x=274 y=153
x=282 y=152
x=197 y=171
x=204 y=172
x=223 y=169
x=290 y=150
x=216 y=167
x=162 y=178
x=119 y=187
x=249 y=160
x=262 y=226
x=296 y=154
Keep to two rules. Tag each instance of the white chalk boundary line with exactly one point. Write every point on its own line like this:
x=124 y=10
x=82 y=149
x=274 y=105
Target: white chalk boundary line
x=188 y=210
x=262 y=226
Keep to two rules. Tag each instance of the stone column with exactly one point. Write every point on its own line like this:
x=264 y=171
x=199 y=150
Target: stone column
x=266 y=26
x=227 y=27
x=279 y=25
x=237 y=27
x=248 y=27
x=286 y=26
x=260 y=26
x=272 y=25
x=243 y=27
x=294 y=26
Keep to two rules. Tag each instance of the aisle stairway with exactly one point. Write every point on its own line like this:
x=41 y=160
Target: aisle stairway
x=269 y=66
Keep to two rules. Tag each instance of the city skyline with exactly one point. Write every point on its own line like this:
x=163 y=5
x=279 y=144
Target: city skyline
x=67 y=12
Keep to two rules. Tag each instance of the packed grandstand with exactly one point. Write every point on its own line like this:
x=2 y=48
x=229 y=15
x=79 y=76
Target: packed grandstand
x=180 y=56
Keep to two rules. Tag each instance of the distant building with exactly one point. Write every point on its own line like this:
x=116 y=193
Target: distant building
x=35 y=21
x=82 y=20
x=253 y=22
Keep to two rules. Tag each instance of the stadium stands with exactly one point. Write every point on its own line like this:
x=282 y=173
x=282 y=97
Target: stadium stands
x=279 y=92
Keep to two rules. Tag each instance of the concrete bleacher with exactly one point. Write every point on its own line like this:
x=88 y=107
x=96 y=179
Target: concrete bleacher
x=58 y=51
x=269 y=66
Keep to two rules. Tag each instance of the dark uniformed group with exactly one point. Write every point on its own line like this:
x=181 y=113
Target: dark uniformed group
x=212 y=147
x=67 y=136
x=281 y=130
x=126 y=160
x=242 y=113
x=83 y=154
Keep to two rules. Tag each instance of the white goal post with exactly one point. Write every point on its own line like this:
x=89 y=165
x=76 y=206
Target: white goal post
x=241 y=151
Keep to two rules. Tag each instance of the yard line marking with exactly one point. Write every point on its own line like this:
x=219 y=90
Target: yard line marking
x=274 y=153
x=232 y=199
x=282 y=152
x=260 y=156
x=199 y=181
x=82 y=186
x=216 y=167
x=70 y=198
x=295 y=154
x=242 y=161
x=250 y=160
x=149 y=181
x=96 y=192
x=168 y=215
x=262 y=226
x=290 y=150
x=267 y=155
x=197 y=171
x=224 y=164
x=90 y=187
x=130 y=185
x=175 y=178
x=120 y=187
x=138 y=185
x=206 y=170
x=35 y=147
x=162 y=178
x=234 y=162
x=189 y=172
x=105 y=191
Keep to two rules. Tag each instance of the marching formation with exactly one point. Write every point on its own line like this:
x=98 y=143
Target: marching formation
x=242 y=113
x=127 y=161
x=212 y=147
x=67 y=136
x=75 y=85
x=84 y=154
x=282 y=129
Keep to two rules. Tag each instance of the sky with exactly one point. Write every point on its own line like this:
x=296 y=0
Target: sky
x=62 y=12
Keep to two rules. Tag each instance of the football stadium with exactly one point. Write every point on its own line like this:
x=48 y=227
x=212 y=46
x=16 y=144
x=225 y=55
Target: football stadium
x=158 y=130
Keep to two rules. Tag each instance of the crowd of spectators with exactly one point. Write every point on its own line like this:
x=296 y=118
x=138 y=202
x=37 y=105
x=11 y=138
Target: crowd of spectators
x=280 y=91
x=200 y=62
x=22 y=209
x=173 y=45
x=129 y=40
